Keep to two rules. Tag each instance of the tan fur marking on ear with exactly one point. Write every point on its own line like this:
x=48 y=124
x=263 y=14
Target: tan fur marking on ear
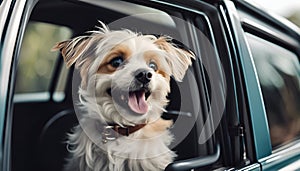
x=163 y=44
x=71 y=59
x=59 y=45
x=72 y=49
x=120 y=50
x=178 y=59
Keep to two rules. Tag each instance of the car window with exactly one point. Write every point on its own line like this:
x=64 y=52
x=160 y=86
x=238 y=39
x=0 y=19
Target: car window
x=278 y=71
x=37 y=61
x=191 y=99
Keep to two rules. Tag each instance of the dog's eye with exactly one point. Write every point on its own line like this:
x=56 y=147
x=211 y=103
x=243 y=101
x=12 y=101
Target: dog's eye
x=116 y=62
x=153 y=66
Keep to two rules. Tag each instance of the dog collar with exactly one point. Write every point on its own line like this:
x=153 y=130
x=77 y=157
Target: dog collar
x=113 y=131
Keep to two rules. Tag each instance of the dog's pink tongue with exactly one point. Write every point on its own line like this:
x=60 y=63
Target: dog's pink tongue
x=137 y=102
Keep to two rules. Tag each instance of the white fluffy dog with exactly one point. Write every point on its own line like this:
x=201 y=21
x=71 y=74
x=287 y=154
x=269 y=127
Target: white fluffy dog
x=124 y=83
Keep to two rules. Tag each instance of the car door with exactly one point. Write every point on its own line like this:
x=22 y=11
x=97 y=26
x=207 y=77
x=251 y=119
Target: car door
x=268 y=53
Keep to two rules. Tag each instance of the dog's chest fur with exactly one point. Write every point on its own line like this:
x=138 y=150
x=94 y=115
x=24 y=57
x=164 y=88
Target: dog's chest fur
x=143 y=150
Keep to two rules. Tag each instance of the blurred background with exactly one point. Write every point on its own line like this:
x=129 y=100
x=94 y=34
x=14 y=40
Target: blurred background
x=36 y=60
x=289 y=9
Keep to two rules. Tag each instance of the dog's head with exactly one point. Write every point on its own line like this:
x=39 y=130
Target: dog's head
x=128 y=73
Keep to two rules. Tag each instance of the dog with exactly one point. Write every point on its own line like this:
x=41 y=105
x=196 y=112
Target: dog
x=125 y=80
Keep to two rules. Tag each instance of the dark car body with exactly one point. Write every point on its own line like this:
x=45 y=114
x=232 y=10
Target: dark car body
x=235 y=98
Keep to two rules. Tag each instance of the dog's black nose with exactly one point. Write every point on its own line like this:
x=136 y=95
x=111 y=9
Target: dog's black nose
x=143 y=76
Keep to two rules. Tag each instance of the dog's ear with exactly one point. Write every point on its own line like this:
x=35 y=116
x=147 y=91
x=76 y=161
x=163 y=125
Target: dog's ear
x=178 y=58
x=72 y=49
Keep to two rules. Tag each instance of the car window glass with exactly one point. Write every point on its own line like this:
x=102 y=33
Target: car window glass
x=36 y=61
x=278 y=71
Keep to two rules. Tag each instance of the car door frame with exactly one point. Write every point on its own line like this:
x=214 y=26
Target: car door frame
x=250 y=80
x=13 y=21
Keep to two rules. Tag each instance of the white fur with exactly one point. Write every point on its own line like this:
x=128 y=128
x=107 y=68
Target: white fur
x=147 y=149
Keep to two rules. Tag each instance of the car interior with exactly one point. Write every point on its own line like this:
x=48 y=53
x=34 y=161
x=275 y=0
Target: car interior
x=41 y=123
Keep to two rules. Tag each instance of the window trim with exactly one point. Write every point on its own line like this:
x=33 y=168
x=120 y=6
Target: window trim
x=195 y=163
x=263 y=32
x=274 y=20
x=6 y=15
x=289 y=152
x=254 y=101
x=14 y=29
x=241 y=120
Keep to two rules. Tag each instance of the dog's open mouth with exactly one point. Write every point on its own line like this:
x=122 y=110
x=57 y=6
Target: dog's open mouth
x=134 y=100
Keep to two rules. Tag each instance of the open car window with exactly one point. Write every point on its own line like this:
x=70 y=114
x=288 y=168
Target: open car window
x=44 y=110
